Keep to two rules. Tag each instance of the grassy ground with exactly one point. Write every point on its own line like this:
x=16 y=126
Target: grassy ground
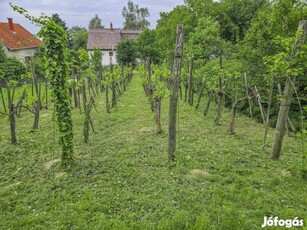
x=122 y=179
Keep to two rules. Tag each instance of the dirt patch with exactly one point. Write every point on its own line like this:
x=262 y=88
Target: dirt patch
x=146 y=130
x=202 y=176
x=286 y=173
x=199 y=172
x=51 y=163
x=60 y=174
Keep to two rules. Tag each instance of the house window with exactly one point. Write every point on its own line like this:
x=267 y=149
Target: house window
x=111 y=54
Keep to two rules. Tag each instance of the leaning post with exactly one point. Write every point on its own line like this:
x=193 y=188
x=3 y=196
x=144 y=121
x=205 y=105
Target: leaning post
x=286 y=98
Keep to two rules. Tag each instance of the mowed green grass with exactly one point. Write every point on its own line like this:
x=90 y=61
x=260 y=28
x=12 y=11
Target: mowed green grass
x=123 y=180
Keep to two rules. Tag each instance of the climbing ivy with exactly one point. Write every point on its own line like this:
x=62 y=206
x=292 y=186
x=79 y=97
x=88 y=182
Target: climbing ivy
x=56 y=65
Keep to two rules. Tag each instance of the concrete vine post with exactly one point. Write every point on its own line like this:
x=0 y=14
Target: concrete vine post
x=174 y=84
x=286 y=98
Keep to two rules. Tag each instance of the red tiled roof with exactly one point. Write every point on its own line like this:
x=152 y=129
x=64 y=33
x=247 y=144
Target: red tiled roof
x=20 y=38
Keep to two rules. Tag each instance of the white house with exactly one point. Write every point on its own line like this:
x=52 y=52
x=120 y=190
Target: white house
x=18 y=41
x=106 y=40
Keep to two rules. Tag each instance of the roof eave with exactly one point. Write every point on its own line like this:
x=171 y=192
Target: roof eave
x=22 y=48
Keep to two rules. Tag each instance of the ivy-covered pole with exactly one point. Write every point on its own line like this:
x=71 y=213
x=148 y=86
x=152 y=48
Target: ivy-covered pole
x=174 y=84
x=58 y=71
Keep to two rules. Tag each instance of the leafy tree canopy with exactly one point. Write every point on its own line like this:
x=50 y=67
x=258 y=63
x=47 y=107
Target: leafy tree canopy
x=95 y=22
x=147 y=46
x=126 y=52
x=56 y=18
x=78 y=37
x=11 y=69
x=135 y=16
x=2 y=53
x=205 y=41
x=166 y=28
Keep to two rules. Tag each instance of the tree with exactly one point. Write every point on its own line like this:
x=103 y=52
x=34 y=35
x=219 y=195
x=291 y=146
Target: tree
x=11 y=69
x=234 y=16
x=56 y=18
x=292 y=68
x=204 y=43
x=147 y=46
x=205 y=40
x=166 y=29
x=126 y=52
x=96 y=60
x=11 y=72
x=95 y=23
x=78 y=37
x=2 y=53
x=135 y=16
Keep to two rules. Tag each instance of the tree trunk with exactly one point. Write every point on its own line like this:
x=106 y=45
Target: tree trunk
x=86 y=120
x=158 y=114
x=268 y=112
x=75 y=96
x=186 y=88
x=37 y=105
x=200 y=94
x=260 y=105
x=46 y=92
x=233 y=115
x=206 y=110
x=219 y=108
x=3 y=101
x=37 y=108
x=19 y=103
x=107 y=98
x=174 y=84
x=150 y=86
x=248 y=96
x=288 y=121
x=180 y=90
x=286 y=100
x=12 y=117
x=190 y=91
x=221 y=97
x=113 y=102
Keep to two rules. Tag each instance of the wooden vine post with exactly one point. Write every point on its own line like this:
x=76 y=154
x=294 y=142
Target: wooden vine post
x=190 y=88
x=12 y=117
x=37 y=106
x=174 y=85
x=112 y=84
x=286 y=98
x=250 y=102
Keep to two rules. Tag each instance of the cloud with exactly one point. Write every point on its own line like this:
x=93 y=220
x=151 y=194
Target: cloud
x=80 y=12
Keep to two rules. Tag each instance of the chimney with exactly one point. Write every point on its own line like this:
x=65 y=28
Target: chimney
x=11 y=24
x=111 y=27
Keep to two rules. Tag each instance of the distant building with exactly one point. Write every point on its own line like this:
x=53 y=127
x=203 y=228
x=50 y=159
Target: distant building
x=18 y=41
x=107 y=40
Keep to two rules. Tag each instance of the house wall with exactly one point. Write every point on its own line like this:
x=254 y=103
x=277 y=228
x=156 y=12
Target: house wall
x=106 y=57
x=21 y=54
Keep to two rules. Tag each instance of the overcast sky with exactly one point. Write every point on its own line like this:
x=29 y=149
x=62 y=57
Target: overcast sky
x=80 y=12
